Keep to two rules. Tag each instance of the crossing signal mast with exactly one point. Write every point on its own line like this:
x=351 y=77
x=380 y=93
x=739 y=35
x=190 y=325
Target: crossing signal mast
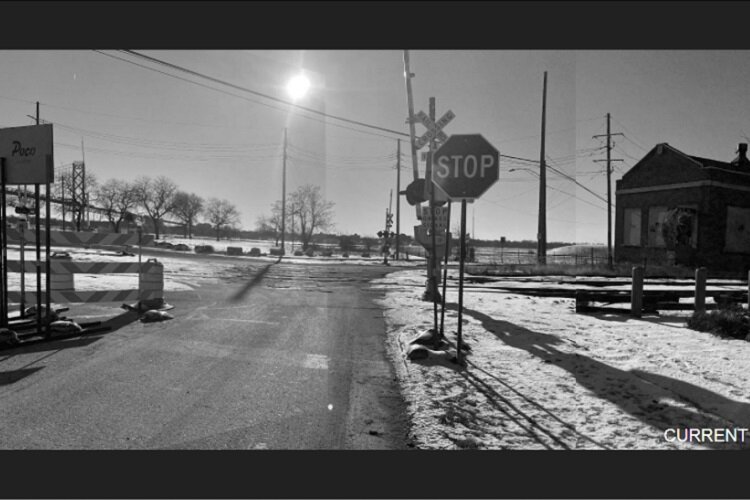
x=387 y=234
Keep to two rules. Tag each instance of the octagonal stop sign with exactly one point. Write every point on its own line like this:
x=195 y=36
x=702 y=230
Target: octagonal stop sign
x=465 y=166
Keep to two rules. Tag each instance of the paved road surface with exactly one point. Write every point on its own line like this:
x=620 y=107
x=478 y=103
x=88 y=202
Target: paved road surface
x=283 y=357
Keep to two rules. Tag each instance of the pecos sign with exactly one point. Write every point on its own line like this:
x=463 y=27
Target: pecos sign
x=26 y=154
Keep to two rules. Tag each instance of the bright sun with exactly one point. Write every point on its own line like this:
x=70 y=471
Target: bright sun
x=298 y=86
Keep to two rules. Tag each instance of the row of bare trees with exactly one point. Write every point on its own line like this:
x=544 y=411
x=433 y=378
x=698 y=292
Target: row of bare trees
x=306 y=212
x=159 y=198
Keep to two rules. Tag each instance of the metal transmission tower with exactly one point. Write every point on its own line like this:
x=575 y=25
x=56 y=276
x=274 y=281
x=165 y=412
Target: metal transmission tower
x=79 y=197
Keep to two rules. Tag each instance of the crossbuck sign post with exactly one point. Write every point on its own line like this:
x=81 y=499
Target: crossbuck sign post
x=464 y=168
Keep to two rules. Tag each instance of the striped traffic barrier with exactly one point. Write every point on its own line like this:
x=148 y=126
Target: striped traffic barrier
x=71 y=238
x=61 y=267
x=62 y=285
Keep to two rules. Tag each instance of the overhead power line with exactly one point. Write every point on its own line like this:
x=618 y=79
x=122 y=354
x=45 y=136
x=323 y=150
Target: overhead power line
x=260 y=94
x=314 y=118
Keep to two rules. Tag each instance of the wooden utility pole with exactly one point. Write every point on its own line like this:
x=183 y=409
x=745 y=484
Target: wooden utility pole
x=541 y=248
x=609 y=161
x=283 y=196
x=398 y=197
x=412 y=131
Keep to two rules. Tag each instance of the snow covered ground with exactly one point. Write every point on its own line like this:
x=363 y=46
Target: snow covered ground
x=541 y=376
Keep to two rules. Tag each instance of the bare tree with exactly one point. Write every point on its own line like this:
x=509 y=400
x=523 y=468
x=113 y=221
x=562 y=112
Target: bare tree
x=116 y=197
x=157 y=197
x=272 y=222
x=187 y=206
x=312 y=212
x=221 y=213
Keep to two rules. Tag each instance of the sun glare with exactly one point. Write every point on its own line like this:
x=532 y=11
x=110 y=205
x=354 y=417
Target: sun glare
x=298 y=86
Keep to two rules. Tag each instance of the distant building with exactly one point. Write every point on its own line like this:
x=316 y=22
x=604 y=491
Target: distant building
x=705 y=203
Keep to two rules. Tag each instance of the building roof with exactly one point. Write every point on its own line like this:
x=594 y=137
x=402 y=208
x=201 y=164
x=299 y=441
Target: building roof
x=734 y=167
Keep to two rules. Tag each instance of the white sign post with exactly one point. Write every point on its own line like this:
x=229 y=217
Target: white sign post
x=464 y=168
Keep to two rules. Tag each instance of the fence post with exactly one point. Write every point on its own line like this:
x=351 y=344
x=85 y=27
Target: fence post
x=636 y=292
x=700 y=289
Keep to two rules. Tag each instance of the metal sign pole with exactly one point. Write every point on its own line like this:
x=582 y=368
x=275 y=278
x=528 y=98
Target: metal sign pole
x=433 y=249
x=3 y=234
x=445 y=269
x=139 y=228
x=38 y=263
x=21 y=229
x=48 y=270
x=461 y=280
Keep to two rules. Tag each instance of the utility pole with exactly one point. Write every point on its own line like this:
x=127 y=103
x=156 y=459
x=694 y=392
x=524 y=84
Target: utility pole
x=541 y=248
x=398 y=197
x=609 y=161
x=412 y=131
x=283 y=196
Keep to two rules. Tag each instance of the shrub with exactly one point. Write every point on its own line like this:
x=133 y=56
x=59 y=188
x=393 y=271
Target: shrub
x=309 y=252
x=234 y=250
x=733 y=322
x=254 y=252
x=298 y=253
x=275 y=251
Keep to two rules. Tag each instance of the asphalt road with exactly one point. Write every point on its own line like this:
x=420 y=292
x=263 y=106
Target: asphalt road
x=269 y=357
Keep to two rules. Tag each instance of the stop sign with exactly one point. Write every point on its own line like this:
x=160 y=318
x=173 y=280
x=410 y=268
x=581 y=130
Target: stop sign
x=465 y=166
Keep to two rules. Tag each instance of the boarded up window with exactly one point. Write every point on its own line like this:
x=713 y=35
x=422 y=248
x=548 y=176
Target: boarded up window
x=632 y=227
x=656 y=216
x=694 y=223
x=738 y=230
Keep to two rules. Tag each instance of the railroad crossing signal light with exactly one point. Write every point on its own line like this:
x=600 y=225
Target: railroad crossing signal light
x=380 y=234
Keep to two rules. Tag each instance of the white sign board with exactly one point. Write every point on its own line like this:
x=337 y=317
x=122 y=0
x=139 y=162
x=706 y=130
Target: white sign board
x=27 y=154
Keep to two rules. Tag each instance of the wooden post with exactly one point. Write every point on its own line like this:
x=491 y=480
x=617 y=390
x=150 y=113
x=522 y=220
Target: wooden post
x=636 y=292
x=748 y=290
x=700 y=289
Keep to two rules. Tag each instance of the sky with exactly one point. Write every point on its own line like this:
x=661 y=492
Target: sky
x=138 y=117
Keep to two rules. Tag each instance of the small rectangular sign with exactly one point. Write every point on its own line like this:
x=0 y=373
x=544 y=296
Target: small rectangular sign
x=423 y=238
x=27 y=154
x=441 y=217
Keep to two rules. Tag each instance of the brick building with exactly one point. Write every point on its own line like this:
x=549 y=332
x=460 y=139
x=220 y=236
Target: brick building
x=712 y=199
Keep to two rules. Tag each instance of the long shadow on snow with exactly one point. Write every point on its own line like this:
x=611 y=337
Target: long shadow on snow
x=641 y=394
